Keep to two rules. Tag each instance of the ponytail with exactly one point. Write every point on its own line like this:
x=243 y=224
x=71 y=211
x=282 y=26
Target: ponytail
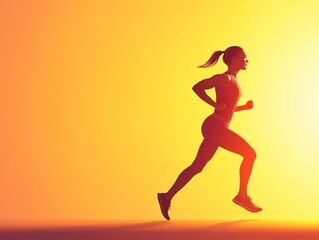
x=213 y=60
x=229 y=53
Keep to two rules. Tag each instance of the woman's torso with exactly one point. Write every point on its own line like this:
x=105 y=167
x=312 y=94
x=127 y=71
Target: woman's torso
x=229 y=94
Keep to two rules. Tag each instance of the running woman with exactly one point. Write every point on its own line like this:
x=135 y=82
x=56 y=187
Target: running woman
x=215 y=128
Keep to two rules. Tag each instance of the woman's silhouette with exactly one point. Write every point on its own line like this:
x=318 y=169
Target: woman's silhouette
x=215 y=128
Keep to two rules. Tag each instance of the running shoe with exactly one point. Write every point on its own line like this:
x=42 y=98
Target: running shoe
x=247 y=204
x=164 y=204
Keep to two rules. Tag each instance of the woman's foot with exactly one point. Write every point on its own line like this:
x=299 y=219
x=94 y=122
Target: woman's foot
x=246 y=203
x=164 y=204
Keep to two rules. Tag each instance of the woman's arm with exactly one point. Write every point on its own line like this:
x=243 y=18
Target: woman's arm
x=249 y=105
x=217 y=80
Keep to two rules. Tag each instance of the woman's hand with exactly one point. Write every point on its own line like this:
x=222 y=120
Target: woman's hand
x=220 y=106
x=249 y=104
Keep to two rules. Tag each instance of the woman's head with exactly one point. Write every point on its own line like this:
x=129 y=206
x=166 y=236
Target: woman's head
x=232 y=55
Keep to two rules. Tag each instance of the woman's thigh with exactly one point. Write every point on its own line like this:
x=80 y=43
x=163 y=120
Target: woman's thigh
x=217 y=134
x=231 y=141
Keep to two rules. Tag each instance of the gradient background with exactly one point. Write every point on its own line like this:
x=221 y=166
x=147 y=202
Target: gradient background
x=98 y=115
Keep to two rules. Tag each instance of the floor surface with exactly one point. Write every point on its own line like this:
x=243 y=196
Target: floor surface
x=153 y=230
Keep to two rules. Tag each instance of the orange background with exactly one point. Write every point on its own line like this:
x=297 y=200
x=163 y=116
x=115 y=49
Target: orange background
x=98 y=114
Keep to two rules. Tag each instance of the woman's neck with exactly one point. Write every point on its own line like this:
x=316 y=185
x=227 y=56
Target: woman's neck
x=232 y=71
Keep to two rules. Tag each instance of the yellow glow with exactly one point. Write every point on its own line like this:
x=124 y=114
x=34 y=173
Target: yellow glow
x=98 y=113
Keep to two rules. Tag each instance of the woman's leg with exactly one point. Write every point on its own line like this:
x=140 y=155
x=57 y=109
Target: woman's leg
x=236 y=144
x=206 y=151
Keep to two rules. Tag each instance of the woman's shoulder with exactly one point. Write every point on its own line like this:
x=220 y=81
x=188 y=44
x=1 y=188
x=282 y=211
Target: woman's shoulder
x=222 y=78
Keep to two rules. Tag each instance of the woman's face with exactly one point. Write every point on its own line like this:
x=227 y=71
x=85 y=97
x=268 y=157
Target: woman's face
x=240 y=60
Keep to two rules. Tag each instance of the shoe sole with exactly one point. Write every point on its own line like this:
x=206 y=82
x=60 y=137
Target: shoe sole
x=160 y=203
x=243 y=206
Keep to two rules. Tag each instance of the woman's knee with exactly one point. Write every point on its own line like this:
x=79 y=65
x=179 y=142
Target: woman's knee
x=250 y=154
x=196 y=168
